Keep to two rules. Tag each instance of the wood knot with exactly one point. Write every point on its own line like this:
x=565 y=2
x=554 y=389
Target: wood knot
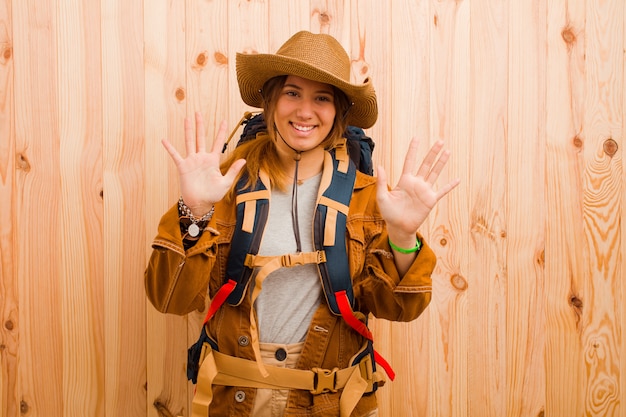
x=541 y=259
x=458 y=282
x=162 y=410
x=24 y=408
x=22 y=162
x=568 y=36
x=610 y=147
x=443 y=241
x=220 y=58
x=7 y=53
x=180 y=94
x=576 y=302
x=324 y=18
x=578 y=142
x=201 y=59
x=9 y=325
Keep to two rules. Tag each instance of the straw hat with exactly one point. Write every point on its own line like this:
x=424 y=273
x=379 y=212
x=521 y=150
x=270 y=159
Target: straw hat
x=317 y=57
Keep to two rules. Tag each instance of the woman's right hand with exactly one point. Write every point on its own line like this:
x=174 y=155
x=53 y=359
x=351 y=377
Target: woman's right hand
x=201 y=181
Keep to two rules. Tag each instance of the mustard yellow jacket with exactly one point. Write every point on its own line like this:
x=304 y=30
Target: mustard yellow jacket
x=177 y=280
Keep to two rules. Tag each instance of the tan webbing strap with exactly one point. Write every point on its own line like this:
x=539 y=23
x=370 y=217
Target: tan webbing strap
x=220 y=369
x=204 y=387
x=329 y=227
x=341 y=154
x=268 y=265
x=249 y=212
x=288 y=260
x=330 y=224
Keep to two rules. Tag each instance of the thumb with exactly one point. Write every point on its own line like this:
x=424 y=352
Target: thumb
x=381 y=183
x=234 y=169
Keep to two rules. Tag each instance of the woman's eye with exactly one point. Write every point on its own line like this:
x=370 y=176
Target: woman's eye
x=325 y=98
x=291 y=93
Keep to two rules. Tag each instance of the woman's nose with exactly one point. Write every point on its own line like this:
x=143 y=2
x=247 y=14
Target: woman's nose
x=305 y=109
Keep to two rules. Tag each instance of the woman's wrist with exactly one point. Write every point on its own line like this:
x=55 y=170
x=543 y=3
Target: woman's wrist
x=193 y=225
x=412 y=248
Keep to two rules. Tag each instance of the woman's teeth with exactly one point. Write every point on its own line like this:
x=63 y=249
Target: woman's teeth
x=302 y=128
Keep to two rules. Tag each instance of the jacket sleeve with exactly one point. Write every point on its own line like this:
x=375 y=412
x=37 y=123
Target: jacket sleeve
x=388 y=295
x=176 y=280
x=378 y=287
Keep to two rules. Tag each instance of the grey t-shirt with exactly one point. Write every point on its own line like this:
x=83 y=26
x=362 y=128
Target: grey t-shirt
x=289 y=296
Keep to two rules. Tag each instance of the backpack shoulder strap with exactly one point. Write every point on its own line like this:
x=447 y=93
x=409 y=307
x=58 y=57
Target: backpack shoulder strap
x=252 y=212
x=330 y=228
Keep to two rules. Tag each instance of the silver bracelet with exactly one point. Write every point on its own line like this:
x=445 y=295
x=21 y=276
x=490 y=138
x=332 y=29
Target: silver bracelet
x=194 y=229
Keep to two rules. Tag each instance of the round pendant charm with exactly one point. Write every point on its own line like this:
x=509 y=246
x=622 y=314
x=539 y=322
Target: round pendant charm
x=193 y=230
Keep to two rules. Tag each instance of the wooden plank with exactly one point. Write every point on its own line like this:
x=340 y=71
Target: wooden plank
x=9 y=297
x=80 y=210
x=287 y=18
x=525 y=217
x=38 y=254
x=249 y=32
x=448 y=358
x=124 y=196
x=487 y=194
x=165 y=109
x=622 y=271
x=564 y=234
x=602 y=210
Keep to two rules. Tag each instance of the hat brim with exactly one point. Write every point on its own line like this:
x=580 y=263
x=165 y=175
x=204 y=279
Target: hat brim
x=253 y=70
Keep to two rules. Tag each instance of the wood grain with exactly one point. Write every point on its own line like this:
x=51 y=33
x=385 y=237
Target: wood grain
x=602 y=185
x=123 y=195
x=9 y=293
x=487 y=194
x=165 y=109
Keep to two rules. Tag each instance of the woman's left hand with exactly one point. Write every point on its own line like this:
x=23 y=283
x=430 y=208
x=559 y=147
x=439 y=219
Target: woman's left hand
x=406 y=206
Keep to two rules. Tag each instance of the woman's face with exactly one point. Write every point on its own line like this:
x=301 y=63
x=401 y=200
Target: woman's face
x=304 y=114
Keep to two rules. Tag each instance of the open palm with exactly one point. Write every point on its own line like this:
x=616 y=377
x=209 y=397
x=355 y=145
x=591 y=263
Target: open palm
x=202 y=183
x=406 y=206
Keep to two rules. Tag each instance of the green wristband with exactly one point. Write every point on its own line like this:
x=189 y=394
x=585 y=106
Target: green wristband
x=418 y=246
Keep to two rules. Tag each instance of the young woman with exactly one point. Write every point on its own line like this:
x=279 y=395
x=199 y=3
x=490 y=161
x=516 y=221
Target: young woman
x=281 y=339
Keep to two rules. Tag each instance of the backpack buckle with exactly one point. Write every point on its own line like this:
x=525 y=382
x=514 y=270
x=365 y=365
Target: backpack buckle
x=324 y=380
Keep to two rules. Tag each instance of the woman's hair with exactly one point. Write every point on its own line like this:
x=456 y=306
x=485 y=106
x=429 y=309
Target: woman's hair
x=261 y=153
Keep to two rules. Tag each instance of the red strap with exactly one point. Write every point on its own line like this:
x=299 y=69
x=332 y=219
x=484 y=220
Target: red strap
x=349 y=317
x=220 y=297
x=386 y=366
x=361 y=328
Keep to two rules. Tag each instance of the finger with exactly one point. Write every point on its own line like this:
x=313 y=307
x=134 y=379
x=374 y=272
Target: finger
x=172 y=151
x=411 y=157
x=428 y=162
x=381 y=183
x=218 y=143
x=438 y=167
x=443 y=191
x=200 y=133
x=190 y=145
x=234 y=170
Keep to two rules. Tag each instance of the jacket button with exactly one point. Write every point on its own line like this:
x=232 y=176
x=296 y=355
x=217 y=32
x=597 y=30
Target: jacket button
x=280 y=354
x=243 y=341
x=240 y=396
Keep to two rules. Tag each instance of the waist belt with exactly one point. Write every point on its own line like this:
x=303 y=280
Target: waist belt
x=220 y=369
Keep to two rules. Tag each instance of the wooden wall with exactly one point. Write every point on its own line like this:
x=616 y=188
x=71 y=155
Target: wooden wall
x=528 y=314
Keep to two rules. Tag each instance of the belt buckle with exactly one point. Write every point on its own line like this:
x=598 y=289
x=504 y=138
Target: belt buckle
x=324 y=380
